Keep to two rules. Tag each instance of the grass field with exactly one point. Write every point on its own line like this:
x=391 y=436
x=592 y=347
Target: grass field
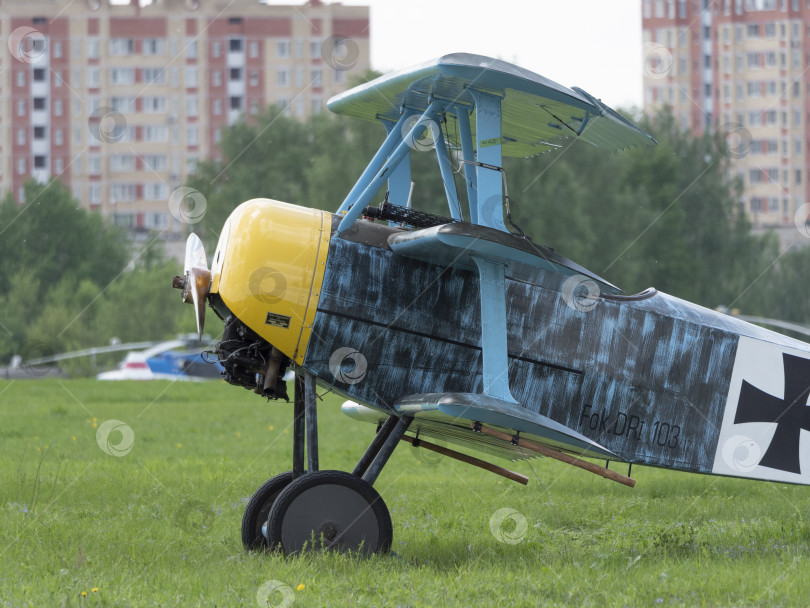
x=159 y=525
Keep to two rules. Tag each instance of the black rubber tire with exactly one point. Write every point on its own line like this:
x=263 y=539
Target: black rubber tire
x=338 y=510
x=258 y=508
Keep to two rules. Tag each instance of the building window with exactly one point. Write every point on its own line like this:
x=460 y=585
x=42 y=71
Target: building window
x=39 y=75
x=235 y=74
x=192 y=136
x=39 y=132
x=217 y=107
x=283 y=49
x=155 y=191
x=192 y=107
x=92 y=48
x=191 y=48
x=156 y=133
x=283 y=77
x=122 y=163
x=123 y=104
x=235 y=45
x=40 y=162
x=236 y=103
x=94 y=193
x=57 y=50
x=124 y=192
x=21 y=137
x=122 y=46
x=58 y=137
x=21 y=167
x=20 y=78
x=217 y=135
x=122 y=76
x=93 y=164
x=93 y=78
x=191 y=77
x=20 y=107
x=216 y=49
x=154 y=105
x=254 y=78
x=155 y=162
x=58 y=166
x=315 y=49
x=154 y=46
x=254 y=107
x=253 y=49
x=154 y=75
x=216 y=78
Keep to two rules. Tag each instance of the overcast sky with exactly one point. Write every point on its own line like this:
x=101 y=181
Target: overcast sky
x=592 y=44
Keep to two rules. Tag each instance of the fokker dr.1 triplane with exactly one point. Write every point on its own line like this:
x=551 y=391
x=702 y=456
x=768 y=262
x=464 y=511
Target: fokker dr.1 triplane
x=459 y=329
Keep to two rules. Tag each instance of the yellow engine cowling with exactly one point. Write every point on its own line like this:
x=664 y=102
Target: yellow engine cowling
x=268 y=269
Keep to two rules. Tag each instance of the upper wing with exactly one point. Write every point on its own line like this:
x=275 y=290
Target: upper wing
x=537 y=113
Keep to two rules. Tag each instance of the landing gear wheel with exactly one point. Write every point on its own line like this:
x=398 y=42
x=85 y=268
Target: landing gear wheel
x=330 y=510
x=258 y=508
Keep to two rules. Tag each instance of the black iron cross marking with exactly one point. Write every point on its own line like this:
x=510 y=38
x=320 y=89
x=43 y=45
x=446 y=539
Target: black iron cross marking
x=790 y=414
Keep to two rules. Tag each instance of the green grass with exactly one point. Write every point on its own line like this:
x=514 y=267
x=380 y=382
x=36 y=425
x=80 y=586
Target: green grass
x=160 y=525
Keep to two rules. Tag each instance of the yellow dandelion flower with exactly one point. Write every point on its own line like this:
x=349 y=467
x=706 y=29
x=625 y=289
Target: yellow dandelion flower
x=73 y=437
x=94 y=590
x=37 y=449
x=301 y=587
x=179 y=445
x=95 y=425
x=84 y=593
x=95 y=419
x=270 y=428
x=238 y=435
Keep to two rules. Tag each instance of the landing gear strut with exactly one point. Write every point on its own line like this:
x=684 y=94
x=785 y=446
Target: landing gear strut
x=312 y=509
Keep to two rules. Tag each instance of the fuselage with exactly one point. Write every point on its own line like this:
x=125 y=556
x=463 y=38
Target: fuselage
x=655 y=379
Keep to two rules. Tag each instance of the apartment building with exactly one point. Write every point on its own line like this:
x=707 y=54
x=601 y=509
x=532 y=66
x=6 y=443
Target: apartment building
x=119 y=101
x=739 y=69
